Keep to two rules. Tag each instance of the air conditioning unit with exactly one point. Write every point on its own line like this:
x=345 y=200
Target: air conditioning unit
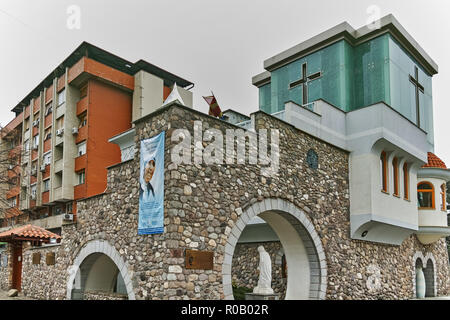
x=33 y=171
x=74 y=130
x=68 y=217
x=42 y=167
x=33 y=197
x=35 y=123
x=11 y=167
x=35 y=147
x=59 y=132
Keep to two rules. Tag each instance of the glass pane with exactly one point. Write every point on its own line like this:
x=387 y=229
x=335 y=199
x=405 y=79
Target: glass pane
x=425 y=199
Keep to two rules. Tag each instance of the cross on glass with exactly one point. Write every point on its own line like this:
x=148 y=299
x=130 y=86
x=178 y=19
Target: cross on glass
x=418 y=87
x=304 y=82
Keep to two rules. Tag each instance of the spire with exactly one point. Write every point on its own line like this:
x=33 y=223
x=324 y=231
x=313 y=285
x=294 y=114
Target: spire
x=174 y=96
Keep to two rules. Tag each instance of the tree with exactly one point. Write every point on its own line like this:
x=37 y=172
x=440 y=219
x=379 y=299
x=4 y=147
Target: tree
x=10 y=169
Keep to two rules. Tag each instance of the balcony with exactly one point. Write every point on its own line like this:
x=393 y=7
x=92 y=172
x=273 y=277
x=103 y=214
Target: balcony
x=23 y=205
x=80 y=162
x=26 y=135
x=49 y=222
x=45 y=197
x=59 y=138
x=82 y=134
x=82 y=105
x=48 y=120
x=47 y=145
x=35 y=130
x=58 y=165
x=13 y=192
x=57 y=194
x=15 y=151
x=60 y=110
x=46 y=173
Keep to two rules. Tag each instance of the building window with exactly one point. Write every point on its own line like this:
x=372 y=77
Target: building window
x=81 y=149
x=383 y=166
x=425 y=195
x=48 y=109
x=47 y=134
x=27 y=145
x=395 y=173
x=406 y=181
x=69 y=207
x=443 y=204
x=61 y=97
x=83 y=121
x=12 y=202
x=33 y=192
x=36 y=141
x=46 y=185
x=81 y=177
x=47 y=158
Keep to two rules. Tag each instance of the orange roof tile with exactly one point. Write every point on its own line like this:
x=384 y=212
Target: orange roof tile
x=29 y=232
x=434 y=162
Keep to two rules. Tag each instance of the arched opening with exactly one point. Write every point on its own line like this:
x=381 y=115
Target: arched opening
x=99 y=273
x=419 y=284
x=305 y=262
x=100 y=277
x=429 y=279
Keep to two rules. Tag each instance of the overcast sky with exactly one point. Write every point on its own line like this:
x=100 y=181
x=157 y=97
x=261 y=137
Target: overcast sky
x=218 y=45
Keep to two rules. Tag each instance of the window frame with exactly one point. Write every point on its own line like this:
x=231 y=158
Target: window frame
x=433 y=205
x=46 y=185
x=406 y=181
x=61 y=93
x=384 y=173
x=81 y=173
x=443 y=197
x=395 y=176
x=83 y=147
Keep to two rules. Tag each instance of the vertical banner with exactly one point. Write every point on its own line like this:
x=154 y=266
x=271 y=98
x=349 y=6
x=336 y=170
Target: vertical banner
x=151 y=194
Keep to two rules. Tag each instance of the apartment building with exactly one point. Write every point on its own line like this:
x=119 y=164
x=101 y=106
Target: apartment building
x=57 y=144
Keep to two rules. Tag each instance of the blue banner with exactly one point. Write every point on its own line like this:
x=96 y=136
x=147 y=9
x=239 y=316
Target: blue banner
x=151 y=178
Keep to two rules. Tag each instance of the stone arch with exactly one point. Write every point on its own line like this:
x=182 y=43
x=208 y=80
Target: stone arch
x=429 y=269
x=90 y=249
x=418 y=259
x=298 y=223
x=430 y=275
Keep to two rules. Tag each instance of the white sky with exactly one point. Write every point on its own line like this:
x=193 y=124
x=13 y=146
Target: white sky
x=218 y=45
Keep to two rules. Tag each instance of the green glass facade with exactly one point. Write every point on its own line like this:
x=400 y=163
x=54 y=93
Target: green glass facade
x=355 y=77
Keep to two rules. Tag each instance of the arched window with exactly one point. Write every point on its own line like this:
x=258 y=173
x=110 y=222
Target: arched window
x=383 y=166
x=425 y=195
x=395 y=174
x=406 y=181
x=443 y=204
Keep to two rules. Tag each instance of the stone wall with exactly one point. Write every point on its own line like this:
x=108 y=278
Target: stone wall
x=245 y=264
x=42 y=281
x=5 y=270
x=99 y=295
x=203 y=203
